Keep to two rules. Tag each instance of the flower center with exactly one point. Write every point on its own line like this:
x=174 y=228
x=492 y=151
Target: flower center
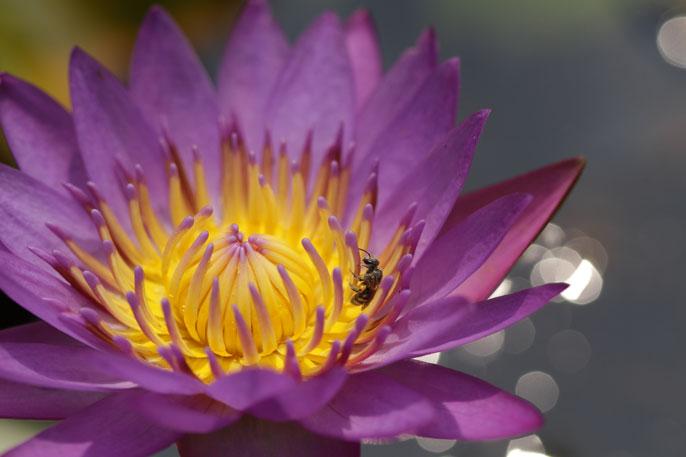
x=263 y=274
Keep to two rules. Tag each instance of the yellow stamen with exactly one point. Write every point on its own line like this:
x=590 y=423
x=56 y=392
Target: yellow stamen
x=264 y=281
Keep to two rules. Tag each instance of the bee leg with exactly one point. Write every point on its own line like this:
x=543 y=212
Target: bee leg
x=355 y=289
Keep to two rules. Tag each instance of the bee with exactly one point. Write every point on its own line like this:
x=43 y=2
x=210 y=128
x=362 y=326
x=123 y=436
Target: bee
x=368 y=282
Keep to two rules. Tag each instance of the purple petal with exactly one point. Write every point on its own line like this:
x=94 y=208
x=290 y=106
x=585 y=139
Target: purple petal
x=451 y=322
x=39 y=292
x=315 y=91
x=55 y=366
x=191 y=414
x=371 y=405
x=365 y=56
x=150 y=377
x=434 y=183
x=254 y=438
x=111 y=129
x=396 y=88
x=467 y=408
x=37 y=332
x=40 y=133
x=549 y=186
x=459 y=252
x=170 y=85
x=109 y=428
x=26 y=204
x=249 y=387
x=410 y=136
x=302 y=400
x=19 y=401
x=252 y=62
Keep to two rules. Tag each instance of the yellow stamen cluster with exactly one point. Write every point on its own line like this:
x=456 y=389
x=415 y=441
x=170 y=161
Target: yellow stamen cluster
x=256 y=276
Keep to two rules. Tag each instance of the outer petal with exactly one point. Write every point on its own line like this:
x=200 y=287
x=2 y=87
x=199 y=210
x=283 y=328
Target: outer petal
x=467 y=408
x=111 y=129
x=457 y=253
x=56 y=366
x=192 y=414
x=37 y=332
x=365 y=56
x=315 y=91
x=31 y=288
x=172 y=88
x=549 y=186
x=410 y=136
x=434 y=183
x=150 y=377
x=249 y=387
x=26 y=205
x=40 y=133
x=371 y=405
x=19 y=401
x=252 y=62
x=450 y=322
x=43 y=295
x=396 y=88
x=109 y=428
x=253 y=438
x=302 y=400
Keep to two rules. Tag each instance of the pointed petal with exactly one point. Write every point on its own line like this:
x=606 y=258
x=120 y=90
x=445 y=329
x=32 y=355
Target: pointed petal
x=411 y=135
x=315 y=91
x=371 y=405
x=110 y=128
x=549 y=186
x=434 y=183
x=189 y=414
x=365 y=55
x=451 y=322
x=26 y=204
x=174 y=92
x=467 y=408
x=109 y=428
x=396 y=88
x=253 y=438
x=40 y=134
x=38 y=291
x=20 y=401
x=302 y=400
x=253 y=60
x=249 y=387
x=459 y=252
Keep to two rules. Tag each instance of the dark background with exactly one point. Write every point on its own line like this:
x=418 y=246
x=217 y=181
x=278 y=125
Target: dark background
x=563 y=78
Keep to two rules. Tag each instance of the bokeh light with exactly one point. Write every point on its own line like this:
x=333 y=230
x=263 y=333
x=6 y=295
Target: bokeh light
x=571 y=262
x=569 y=351
x=529 y=443
x=671 y=41
x=486 y=346
x=435 y=445
x=539 y=388
x=520 y=336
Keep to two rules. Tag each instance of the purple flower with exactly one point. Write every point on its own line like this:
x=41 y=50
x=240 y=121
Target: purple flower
x=204 y=263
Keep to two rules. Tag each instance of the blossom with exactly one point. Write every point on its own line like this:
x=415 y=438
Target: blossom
x=197 y=257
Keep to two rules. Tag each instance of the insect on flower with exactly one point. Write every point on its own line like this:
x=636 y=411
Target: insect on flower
x=367 y=283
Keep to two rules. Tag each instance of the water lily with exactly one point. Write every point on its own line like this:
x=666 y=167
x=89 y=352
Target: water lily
x=252 y=270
